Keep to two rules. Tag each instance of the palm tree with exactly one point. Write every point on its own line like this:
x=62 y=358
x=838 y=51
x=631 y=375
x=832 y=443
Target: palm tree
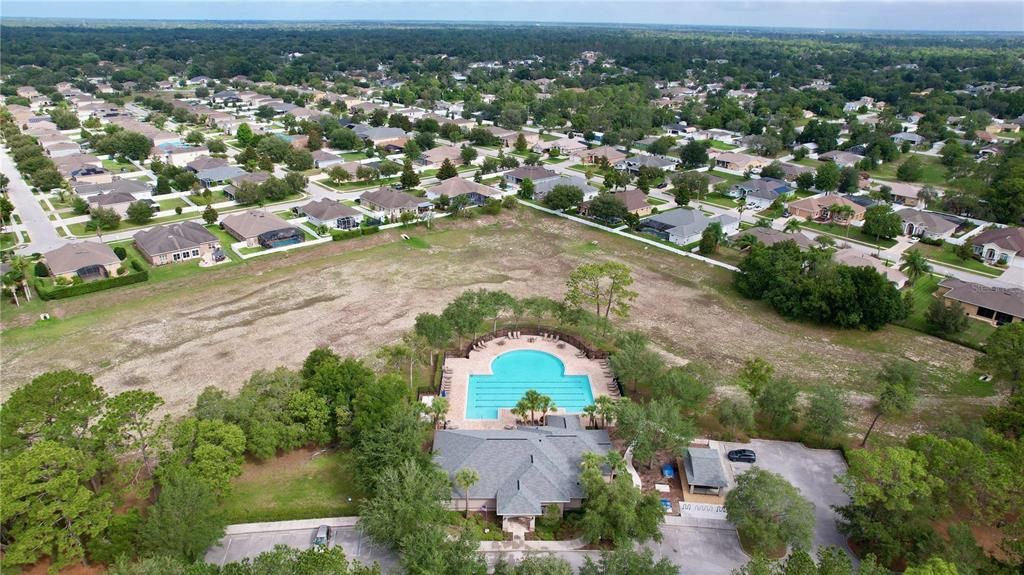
x=591 y=412
x=746 y=241
x=531 y=402
x=914 y=265
x=21 y=264
x=844 y=214
x=545 y=404
x=11 y=283
x=792 y=226
x=605 y=409
x=466 y=478
x=438 y=410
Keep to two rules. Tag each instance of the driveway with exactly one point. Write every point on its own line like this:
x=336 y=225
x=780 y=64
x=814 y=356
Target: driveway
x=43 y=237
x=812 y=471
x=248 y=541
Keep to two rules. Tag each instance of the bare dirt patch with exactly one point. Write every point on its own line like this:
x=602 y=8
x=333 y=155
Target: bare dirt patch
x=216 y=328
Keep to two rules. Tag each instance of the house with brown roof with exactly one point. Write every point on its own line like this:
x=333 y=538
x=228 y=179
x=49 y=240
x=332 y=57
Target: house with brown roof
x=841 y=158
x=452 y=187
x=331 y=213
x=260 y=228
x=634 y=200
x=87 y=260
x=178 y=242
x=994 y=305
x=391 y=203
x=324 y=160
x=532 y=173
x=434 y=157
x=904 y=194
x=117 y=201
x=205 y=162
x=594 y=155
x=740 y=162
x=770 y=236
x=821 y=208
x=999 y=245
x=856 y=258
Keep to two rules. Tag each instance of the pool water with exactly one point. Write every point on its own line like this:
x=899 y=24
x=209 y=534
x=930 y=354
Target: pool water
x=514 y=373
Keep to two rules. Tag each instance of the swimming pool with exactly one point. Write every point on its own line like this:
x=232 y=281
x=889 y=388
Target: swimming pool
x=514 y=373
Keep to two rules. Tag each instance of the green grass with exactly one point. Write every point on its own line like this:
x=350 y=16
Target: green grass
x=977 y=331
x=656 y=201
x=294 y=486
x=171 y=203
x=250 y=250
x=853 y=234
x=225 y=242
x=945 y=255
x=8 y=240
x=216 y=197
x=721 y=145
x=721 y=200
x=730 y=179
x=353 y=156
x=808 y=162
x=933 y=172
x=548 y=137
x=417 y=242
x=349 y=186
x=285 y=214
x=115 y=166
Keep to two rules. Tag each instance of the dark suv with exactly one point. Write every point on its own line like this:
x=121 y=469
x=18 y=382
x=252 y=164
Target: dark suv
x=742 y=455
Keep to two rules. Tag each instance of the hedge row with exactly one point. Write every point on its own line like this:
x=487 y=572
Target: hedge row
x=60 y=292
x=338 y=235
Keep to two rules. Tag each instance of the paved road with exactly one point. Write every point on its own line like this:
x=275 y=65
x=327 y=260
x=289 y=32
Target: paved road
x=41 y=232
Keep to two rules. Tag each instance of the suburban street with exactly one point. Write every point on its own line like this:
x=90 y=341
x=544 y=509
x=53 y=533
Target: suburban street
x=41 y=232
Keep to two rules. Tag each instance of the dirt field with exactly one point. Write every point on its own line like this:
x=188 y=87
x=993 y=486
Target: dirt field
x=216 y=327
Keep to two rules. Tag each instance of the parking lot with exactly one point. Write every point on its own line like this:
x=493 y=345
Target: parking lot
x=238 y=545
x=812 y=471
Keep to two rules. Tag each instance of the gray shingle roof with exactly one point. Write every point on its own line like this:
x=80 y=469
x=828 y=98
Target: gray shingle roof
x=543 y=187
x=704 y=467
x=220 y=173
x=172 y=238
x=523 y=469
x=328 y=209
x=1007 y=300
x=70 y=258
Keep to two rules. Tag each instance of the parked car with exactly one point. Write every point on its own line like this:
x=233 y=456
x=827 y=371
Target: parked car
x=742 y=455
x=322 y=534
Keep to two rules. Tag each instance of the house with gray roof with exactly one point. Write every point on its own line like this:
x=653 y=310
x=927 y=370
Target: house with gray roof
x=543 y=187
x=994 y=305
x=521 y=470
x=685 y=226
x=926 y=224
x=907 y=137
x=760 y=194
x=133 y=187
x=260 y=228
x=117 y=201
x=178 y=242
x=87 y=260
x=390 y=203
x=533 y=173
x=634 y=164
x=704 y=472
x=770 y=236
x=332 y=213
x=213 y=176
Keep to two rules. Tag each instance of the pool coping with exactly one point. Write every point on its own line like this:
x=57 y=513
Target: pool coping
x=479 y=363
x=503 y=352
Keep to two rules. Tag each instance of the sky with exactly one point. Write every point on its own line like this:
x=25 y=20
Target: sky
x=911 y=15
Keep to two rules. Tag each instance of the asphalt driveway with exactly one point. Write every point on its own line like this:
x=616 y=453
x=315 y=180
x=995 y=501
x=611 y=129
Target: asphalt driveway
x=812 y=471
x=236 y=546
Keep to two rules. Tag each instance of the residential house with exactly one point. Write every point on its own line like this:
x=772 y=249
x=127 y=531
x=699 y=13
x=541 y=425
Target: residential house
x=260 y=228
x=841 y=158
x=685 y=226
x=999 y=245
x=134 y=187
x=635 y=202
x=994 y=305
x=533 y=173
x=434 y=157
x=565 y=146
x=820 y=208
x=790 y=172
x=760 y=194
x=331 y=213
x=905 y=194
x=257 y=178
x=543 y=187
x=704 y=472
x=594 y=155
x=183 y=241
x=325 y=160
x=117 y=201
x=926 y=224
x=633 y=165
x=60 y=149
x=506 y=137
x=205 y=163
x=87 y=260
x=452 y=187
x=216 y=175
x=177 y=156
x=855 y=106
x=677 y=129
x=982 y=137
x=771 y=236
x=856 y=258
x=738 y=162
x=382 y=136
x=391 y=203
x=521 y=471
x=911 y=138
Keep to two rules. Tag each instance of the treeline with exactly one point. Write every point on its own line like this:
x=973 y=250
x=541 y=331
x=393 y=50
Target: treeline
x=28 y=155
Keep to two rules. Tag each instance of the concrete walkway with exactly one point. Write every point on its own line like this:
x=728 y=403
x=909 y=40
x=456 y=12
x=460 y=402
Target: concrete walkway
x=43 y=237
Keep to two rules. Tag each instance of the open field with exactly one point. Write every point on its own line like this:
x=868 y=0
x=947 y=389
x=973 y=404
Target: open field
x=216 y=326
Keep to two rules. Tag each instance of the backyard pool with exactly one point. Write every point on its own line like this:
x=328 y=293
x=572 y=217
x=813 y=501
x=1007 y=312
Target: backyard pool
x=514 y=373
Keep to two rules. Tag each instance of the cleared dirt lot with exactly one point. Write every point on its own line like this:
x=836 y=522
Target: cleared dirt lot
x=214 y=328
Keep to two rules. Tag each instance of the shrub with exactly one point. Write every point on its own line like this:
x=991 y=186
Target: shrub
x=120 y=252
x=136 y=265
x=369 y=230
x=338 y=235
x=122 y=270
x=177 y=210
x=41 y=271
x=80 y=288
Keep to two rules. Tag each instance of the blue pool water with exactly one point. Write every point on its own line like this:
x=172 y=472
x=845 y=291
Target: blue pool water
x=514 y=373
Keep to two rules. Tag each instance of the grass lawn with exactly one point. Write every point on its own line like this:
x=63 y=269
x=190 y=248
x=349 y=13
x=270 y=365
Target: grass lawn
x=945 y=255
x=721 y=200
x=115 y=166
x=285 y=214
x=353 y=156
x=730 y=179
x=171 y=203
x=78 y=229
x=296 y=485
x=581 y=168
x=548 y=137
x=933 y=171
x=216 y=197
x=977 y=331
x=8 y=240
x=807 y=162
x=349 y=186
x=417 y=242
x=853 y=234
x=721 y=145
x=656 y=201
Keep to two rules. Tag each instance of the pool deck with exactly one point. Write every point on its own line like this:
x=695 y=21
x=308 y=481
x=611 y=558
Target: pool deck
x=479 y=363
